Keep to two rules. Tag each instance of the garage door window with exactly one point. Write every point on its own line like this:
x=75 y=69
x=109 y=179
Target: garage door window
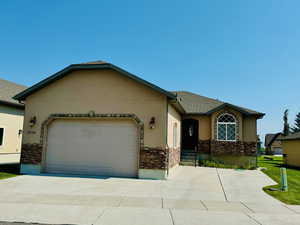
x=1 y=136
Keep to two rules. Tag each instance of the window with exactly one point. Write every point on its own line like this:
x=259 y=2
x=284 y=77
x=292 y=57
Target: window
x=1 y=135
x=226 y=127
x=175 y=135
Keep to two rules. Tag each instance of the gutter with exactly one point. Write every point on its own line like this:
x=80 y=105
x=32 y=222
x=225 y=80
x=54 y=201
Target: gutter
x=12 y=104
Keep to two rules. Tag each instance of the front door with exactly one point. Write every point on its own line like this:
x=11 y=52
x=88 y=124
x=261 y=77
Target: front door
x=189 y=133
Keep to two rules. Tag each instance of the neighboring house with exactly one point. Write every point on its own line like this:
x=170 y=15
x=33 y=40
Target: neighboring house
x=291 y=149
x=273 y=144
x=97 y=119
x=11 y=122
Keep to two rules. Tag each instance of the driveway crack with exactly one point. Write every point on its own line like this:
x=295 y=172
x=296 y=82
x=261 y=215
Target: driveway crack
x=222 y=185
x=294 y=211
x=244 y=204
x=171 y=214
x=255 y=220
x=100 y=215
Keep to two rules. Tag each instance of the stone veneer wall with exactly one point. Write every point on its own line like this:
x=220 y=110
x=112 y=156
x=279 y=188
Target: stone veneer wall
x=204 y=146
x=238 y=148
x=174 y=157
x=31 y=154
x=153 y=158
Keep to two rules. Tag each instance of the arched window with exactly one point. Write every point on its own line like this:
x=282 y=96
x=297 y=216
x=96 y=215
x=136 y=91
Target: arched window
x=226 y=125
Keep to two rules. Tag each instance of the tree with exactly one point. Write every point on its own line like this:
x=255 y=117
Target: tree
x=286 y=126
x=296 y=127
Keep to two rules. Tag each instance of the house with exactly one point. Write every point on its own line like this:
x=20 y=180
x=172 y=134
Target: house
x=98 y=119
x=291 y=149
x=11 y=122
x=273 y=144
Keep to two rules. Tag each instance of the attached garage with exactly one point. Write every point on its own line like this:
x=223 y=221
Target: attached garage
x=92 y=147
x=98 y=119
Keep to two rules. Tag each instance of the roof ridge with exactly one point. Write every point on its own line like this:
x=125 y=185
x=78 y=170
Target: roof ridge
x=92 y=62
x=189 y=92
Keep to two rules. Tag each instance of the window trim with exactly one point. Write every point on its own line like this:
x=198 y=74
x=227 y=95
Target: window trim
x=175 y=135
x=227 y=123
x=3 y=136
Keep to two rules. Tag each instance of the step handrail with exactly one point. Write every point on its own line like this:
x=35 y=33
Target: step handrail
x=195 y=156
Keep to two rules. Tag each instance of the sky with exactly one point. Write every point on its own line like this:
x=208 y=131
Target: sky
x=243 y=52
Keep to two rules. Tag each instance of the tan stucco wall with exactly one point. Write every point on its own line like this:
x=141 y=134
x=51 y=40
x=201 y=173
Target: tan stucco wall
x=204 y=129
x=11 y=119
x=173 y=117
x=249 y=129
x=238 y=116
x=276 y=144
x=292 y=150
x=103 y=91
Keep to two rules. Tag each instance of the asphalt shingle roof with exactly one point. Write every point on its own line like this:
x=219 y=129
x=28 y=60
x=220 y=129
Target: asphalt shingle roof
x=190 y=102
x=9 y=89
x=294 y=136
x=93 y=62
x=197 y=104
x=270 y=138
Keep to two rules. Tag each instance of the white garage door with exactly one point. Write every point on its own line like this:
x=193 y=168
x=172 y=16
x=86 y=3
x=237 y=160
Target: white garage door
x=92 y=147
x=277 y=151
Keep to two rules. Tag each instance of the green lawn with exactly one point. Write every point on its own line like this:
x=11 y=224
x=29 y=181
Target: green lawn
x=292 y=196
x=7 y=171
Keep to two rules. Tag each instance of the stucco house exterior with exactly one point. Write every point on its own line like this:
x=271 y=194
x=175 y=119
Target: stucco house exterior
x=11 y=122
x=291 y=149
x=273 y=144
x=98 y=119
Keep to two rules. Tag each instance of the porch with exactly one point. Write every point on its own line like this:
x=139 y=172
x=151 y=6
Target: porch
x=225 y=149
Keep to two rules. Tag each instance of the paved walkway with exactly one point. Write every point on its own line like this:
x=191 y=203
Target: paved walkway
x=192 y=196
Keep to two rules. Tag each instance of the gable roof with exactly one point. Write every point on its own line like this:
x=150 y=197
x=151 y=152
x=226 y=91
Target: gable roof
x=88 y=66
x=201 y=105
x=294 y=136
x=9 y=89
x=270 y=138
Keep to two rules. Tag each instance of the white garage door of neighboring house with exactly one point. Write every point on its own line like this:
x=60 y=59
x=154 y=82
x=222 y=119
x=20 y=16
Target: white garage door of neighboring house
x=278 y=151
x=92 y=147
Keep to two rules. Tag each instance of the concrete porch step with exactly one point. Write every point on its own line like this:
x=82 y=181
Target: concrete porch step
x=188 y=154
x=187 y=158
x=187 y=163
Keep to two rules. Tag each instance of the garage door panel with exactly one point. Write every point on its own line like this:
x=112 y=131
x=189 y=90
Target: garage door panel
x=92 y=147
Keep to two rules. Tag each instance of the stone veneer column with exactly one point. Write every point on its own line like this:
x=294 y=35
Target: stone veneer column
x=174 y=157
x=153 y=163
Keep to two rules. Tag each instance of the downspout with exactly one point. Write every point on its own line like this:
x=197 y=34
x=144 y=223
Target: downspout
x=167 y=128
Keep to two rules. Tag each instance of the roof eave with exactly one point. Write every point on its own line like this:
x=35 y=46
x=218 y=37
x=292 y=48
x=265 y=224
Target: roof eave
x=22 y=95
x=15 y=105
x=289 y=139
x=177 y=105
x=258 y=115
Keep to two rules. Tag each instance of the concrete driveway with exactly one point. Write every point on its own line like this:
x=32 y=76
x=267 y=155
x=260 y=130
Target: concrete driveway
x=191 y=196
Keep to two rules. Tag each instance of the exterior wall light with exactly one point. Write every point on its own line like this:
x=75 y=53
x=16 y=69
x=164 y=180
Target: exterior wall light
x=32 y=121
x=152 y=123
